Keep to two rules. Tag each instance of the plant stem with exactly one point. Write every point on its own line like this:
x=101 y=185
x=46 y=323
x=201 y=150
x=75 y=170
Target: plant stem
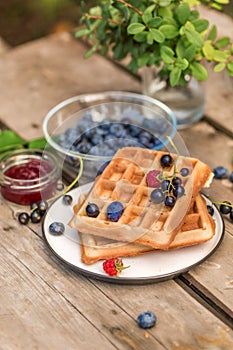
x=131 y=6
x=87 y=15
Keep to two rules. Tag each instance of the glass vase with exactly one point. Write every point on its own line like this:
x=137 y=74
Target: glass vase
x=187 y=103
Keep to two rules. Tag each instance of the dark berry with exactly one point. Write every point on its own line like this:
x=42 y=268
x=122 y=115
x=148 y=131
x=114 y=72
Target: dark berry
x=56 y=228
x=166 y=160
x=165 y=185
x=42 y=206
x=231 y=177
x=157 y=196
x=231 y=215
x=184 y=172
x=67 y=199
x=35 y=216
x=170 y=201
x=176 y=181
x=178 y=191
x=220 y=172
x=114 y=211
x=225 y=208
x=23 y=218
x=210 y=210
x=92 y=210
x=33 y=206
x=146 y=319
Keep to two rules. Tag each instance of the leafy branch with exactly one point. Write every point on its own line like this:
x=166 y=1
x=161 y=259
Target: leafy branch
x=168 y=34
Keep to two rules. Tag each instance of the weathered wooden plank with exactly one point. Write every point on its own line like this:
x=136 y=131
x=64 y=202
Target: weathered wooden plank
x=52 y=306
x=38 y=75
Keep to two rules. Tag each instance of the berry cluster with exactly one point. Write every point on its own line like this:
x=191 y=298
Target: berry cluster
x=167 y=188
x=38 y=210
x=105 y=137
x=114 y=210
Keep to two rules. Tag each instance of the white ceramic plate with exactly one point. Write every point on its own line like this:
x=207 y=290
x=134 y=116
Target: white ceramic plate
x=146 y=268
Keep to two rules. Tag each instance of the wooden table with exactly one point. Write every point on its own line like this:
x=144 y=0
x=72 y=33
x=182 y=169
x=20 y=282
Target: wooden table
x=44 y=305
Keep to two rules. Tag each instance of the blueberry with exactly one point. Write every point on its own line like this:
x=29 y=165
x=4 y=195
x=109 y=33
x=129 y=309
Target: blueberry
x=96 y=139
x=114 y=211
x=170 y=201
x=144 y=135
x=42 y=207
x=23 y=218
x=176 y=181
x=83 y=147
x=210 y=210
x=102 y=168
x=166 y=160
x=184 y=172
x=220 y=172
x=33 y=206
x=117 y=129
x=231 y=177
x=165 y=184
x=35 y=216
x=146 y=319
x=92 y=210
x=56 y=228
x=178 y=191
x=134 y=130
x=157 y=196
x=67 y=199
x=225 y=208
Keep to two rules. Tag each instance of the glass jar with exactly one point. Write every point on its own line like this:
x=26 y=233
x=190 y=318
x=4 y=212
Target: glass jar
x=28 y=175
x=186 y=102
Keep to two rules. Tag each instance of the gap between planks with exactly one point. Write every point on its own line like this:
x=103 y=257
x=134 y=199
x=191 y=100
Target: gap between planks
x=206 y=298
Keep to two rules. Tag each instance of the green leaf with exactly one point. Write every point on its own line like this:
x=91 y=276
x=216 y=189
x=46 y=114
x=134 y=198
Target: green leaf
x=220 y=56
x=223 y=42
x=174 y=76
x=143 y=59
x=140 y=37
x=167 y=54
x=213 y=33
x=154 y=22
x=230 y=68
x=37 y=143
x=90 y=51
x=146 y=17
x=183 y=12
x=9 y=137
x=169 y=31
x=193 y=36
x=149 y=38
x=81 y=32
x=198 y=71
x=135 y=28
x=181 y=63
x=208 y=50
x=223 y=2
x=219 y=67
x=201 y=25
x=157 y=35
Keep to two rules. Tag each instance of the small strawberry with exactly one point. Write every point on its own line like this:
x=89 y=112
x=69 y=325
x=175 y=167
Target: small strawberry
x=152 y=178
x=113 y=266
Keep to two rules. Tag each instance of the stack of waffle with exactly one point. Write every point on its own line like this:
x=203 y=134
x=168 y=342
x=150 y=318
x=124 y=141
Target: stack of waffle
x=144 y=226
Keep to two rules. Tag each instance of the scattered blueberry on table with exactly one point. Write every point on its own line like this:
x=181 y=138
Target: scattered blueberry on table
x=146 y=319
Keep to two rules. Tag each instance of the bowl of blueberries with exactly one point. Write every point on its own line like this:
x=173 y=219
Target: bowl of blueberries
x=94 y=126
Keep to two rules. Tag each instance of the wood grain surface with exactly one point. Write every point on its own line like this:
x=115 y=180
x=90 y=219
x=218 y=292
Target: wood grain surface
x=44 y=305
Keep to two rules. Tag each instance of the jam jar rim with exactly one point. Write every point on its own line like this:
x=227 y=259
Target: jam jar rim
x=28 y=183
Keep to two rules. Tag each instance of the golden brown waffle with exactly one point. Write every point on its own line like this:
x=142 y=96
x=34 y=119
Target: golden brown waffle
x=142 y=222
x=198 y=227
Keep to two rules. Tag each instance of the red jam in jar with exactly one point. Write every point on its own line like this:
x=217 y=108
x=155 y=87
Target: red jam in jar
x=28 y=176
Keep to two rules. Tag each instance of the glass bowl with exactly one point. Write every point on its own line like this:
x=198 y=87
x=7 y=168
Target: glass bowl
x=94 y=126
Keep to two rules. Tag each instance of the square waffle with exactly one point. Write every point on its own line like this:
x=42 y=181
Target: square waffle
x=198 y=227
x=142 y=222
